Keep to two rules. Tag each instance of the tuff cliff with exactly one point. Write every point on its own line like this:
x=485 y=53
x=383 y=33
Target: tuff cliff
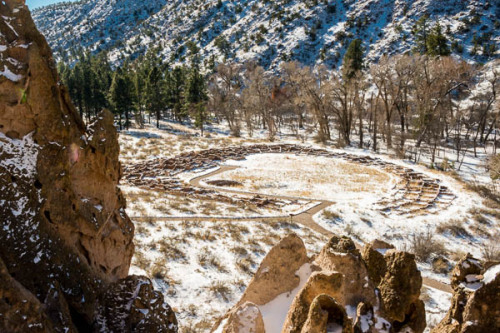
x=65 y=239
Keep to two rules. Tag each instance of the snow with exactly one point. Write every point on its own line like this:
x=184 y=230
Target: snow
x=491 y=274
x=20 y=156
x=312 y=177
x=38 y=257
x=186 y=282
x=9 y=75
x=274 y=313
x=222 y=325
x=366 y=321
x=170 y=25
x=437 y=304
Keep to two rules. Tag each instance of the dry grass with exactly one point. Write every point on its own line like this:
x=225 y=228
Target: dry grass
x=171 y=251
x=441 y=265
x=141 y=261
x=246 y=265
x=239 y=250
x=331 y=215
x=206 y=260
x=491 y=249
x=158 y=270
x=423 y=245
x=219 y=289
x=454 y=227
x=344 y=176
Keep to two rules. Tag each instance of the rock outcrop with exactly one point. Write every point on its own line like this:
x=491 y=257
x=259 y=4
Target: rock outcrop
x=326 y=315
x=277 y=272
x=475 y=306
x=400 y=292
x=245 y=318
x=65 y=239
x=319 y=283
x=340 y=255
x=339 y=292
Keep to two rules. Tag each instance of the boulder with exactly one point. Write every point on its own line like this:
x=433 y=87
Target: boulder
x=277 y=272
x=365 y=319
x=340 y=255
x=400 y=291
x=475 y=305
x=327 y=315
x=245 y=318
x=65 y=237
x=20 y=310
x=132 y=305
x=328 y=284
x=373 y=256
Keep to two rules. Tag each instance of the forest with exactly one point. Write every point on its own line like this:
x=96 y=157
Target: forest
x=425 y=98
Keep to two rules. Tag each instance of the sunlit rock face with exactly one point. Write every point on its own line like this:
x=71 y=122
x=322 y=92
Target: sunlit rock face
x=475 y=306
x=65 y=238
x=340 y=290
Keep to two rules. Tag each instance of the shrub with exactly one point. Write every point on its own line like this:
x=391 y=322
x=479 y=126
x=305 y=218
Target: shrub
x=454 y=227
x=331 y=215
x=491 y=250
x=220 y=289
x=423 y=245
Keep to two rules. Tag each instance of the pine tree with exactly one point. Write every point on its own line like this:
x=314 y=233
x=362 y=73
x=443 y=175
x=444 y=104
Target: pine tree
x=437 y=43
x=420 y=31
x=353 y=59
x=121 y=96
x=154 y=92
x=175 y=92
x=196 y=96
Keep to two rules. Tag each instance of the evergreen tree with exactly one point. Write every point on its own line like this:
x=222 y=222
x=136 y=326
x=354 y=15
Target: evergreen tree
x=437 y=43
x=196 y=96
x=420 y=31
x=154 y=92
x=121 y=96
x=175 y=93
x=353 y=59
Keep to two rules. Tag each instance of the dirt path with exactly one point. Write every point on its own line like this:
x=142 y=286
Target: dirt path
x=304 y=218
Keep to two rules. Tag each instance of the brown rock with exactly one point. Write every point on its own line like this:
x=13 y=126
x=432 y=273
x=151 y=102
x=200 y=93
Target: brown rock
x=277 y=272
x=245 y=318
x=365 y=319
x=319 y=283
x=341 y=255
x=400 y=292
x=467 y=266
x=20 y=310
x=132 y=305
x=63 y=216
x=326 y=315
x=373 y=256
x=475 y=304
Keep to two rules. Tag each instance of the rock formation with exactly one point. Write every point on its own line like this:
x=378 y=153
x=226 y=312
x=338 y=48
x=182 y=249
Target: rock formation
x=339 y=292
x=475 y=306
x=276 y=274
x=65 y=239
x=245 y=318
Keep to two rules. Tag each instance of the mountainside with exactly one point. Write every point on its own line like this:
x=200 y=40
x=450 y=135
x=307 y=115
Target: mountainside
x=270 y=32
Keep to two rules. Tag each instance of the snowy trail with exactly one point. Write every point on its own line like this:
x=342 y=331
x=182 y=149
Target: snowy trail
x=304 y=218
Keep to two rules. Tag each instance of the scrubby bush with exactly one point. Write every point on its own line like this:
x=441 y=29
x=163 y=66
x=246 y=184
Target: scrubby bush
x=423 y=245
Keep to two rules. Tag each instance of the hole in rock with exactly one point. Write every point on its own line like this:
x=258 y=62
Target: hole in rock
x=46 y=213
x=80 y=321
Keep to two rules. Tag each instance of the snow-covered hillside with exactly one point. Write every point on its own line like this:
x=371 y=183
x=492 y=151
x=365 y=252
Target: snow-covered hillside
x=270 y=32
